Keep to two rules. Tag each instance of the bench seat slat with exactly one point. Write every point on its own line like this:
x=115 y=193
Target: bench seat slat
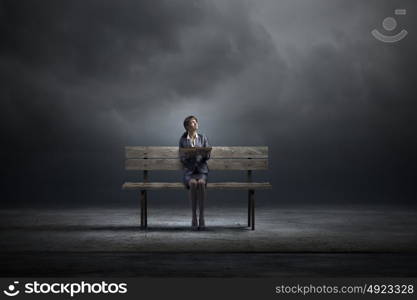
x=217 y=152
x=213 y=164
x=210 y=185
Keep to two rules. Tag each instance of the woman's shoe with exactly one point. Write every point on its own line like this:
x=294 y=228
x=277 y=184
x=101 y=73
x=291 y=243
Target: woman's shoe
x=201 y=225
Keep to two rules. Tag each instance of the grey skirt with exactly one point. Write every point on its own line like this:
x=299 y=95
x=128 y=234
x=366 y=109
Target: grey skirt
x=188 y=176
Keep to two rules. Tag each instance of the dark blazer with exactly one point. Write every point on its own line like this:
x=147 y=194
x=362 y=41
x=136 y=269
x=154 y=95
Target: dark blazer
x=197 y=164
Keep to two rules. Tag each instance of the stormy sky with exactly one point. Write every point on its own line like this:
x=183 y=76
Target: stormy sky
x=82 y=79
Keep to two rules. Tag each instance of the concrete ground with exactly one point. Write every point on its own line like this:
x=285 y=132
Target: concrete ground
x=288 y=241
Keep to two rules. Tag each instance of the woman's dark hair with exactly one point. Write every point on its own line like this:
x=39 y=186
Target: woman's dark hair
x=187 y=121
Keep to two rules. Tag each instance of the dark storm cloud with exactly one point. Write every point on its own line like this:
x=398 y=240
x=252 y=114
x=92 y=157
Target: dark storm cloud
x=71 y=59
x=306 y=78
x=109 y=62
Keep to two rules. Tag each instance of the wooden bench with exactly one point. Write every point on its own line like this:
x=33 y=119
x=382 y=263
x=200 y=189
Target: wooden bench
x=149 y=158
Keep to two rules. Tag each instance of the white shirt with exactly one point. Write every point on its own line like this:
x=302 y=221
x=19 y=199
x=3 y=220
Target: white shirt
x=192 y=140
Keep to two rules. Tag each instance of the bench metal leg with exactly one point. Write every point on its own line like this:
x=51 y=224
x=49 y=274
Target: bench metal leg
x=142 y=208
x=249 y=209
x=252 y=196
x=146 y=209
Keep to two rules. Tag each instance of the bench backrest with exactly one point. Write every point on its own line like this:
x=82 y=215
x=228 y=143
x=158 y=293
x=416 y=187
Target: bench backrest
x=221 y=158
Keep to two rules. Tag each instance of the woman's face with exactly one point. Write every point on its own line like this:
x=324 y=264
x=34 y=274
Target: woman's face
x=193 y=125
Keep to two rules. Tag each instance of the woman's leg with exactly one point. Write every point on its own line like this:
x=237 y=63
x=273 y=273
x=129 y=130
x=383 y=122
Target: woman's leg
x=193 y=199
x=201 y=199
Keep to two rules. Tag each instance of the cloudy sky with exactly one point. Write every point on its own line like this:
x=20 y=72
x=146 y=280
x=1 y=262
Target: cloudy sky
x=82 y=79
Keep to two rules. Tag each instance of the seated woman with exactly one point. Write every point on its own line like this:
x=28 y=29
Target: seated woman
x=195 y=169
